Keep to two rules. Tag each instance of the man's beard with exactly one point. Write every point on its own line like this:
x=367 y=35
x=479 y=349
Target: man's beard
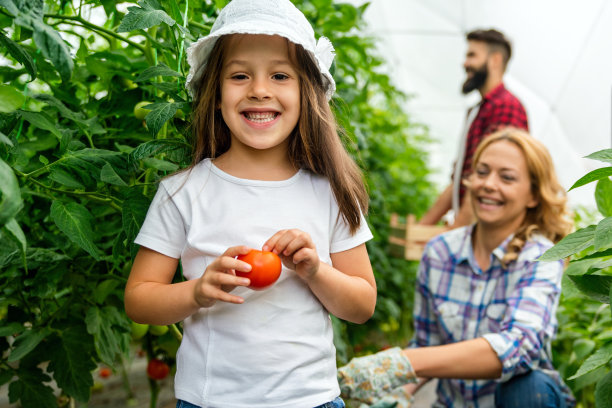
x=477 y=80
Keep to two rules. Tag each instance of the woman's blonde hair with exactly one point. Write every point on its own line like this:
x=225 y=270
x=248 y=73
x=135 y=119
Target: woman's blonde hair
x=315 y=144
x=550 y=216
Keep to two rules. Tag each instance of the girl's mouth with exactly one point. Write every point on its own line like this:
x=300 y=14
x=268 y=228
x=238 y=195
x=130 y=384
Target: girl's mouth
x=260 y=117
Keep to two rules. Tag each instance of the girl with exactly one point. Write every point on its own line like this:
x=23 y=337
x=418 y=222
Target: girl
x=484 y=306
x=269 y=172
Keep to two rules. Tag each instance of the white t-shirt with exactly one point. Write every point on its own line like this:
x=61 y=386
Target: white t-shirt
x=276 y=349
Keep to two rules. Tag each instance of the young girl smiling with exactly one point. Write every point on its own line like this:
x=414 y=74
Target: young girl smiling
x=269 y=172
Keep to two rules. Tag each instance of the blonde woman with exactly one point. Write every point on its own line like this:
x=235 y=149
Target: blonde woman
x=484 y=305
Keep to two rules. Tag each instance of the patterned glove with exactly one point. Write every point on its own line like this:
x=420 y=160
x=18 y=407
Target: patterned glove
x=398 y=398
x=368 y=379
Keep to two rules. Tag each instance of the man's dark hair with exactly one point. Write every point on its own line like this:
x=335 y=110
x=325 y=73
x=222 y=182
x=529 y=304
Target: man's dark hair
x=496 y=41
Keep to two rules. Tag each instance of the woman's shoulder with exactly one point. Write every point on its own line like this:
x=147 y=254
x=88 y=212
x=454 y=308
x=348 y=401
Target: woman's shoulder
x=535 y=247
x=452 y=241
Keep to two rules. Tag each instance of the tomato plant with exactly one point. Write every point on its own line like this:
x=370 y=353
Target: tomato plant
x=157 y=369
x=266 y=268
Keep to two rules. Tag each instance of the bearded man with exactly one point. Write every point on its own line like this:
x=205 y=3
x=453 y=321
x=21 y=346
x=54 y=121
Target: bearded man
x=485 y=63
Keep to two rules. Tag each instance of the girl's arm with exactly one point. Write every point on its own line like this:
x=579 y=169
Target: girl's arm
x=152 y=298
x=347 y=289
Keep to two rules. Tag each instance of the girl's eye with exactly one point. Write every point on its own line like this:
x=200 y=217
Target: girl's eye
x=239 y=76
x=280 y=77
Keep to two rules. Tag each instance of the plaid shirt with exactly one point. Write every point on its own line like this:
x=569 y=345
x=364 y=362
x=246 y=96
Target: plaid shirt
x=512 y=307
x=498 y=109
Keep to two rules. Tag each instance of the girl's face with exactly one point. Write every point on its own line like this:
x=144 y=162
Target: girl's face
x=260 y=92
x=500 y=187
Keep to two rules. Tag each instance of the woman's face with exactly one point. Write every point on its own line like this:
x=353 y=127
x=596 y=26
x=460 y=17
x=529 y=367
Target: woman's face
x=501 y=186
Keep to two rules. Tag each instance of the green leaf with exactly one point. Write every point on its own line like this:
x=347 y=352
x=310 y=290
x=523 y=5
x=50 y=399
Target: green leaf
x=20 y=54
x=5 y=140
x=29 y=15
x=595 y=286
x=603 y=196
x=134 y=210
x=10 y=99
x=10 y=6
x=139 y=18
x=10 y=198
x=100 y=322
x=571 y=244
x=594 y=175
x=72 y=370
x=31 y=390
x=110 y=176
x=40 y=120
x=60 y=175
x=26 y=342
x=54 y=48
x=604 y=155
x=600 y=358
x=155 y=147
x=603 y=392
x=75 y=221
x=160 y=113
x=603 y=234
x=583 y=347
x=14 y=231
x=159 y=164
x=11 y=329
x=159 y=70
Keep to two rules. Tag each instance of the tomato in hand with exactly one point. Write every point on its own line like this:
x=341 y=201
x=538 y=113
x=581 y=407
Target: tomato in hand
x=157 y=369
x=266 y=268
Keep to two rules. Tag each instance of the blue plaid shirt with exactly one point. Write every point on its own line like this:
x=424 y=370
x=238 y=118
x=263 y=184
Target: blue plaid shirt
x=512 y=307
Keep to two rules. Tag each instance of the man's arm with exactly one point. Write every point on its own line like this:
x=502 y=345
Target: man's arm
x=439 y=208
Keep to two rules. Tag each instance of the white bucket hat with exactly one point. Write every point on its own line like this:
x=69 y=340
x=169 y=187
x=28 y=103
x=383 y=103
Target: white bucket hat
x=270 y=17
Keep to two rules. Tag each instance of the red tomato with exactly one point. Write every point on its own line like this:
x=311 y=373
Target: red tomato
x=157 y=369
x=266 y=268
x=105 y=372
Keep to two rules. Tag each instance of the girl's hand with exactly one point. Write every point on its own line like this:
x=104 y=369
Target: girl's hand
x=220 y=278
x=297 y=251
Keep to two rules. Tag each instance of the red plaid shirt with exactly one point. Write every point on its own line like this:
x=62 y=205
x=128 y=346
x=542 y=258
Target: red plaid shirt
x=498 y=109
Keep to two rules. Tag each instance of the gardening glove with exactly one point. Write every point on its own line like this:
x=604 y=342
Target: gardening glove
x=368 y=379
x=398 y=398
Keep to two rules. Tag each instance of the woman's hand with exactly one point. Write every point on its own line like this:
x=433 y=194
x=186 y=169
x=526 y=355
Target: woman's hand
x=297 y=251
x=220 y=278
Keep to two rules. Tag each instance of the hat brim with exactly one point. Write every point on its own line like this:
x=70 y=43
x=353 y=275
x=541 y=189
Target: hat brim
x=199 y=52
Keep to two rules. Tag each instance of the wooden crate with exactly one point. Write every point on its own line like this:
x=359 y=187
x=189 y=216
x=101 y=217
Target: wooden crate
x=411 y=237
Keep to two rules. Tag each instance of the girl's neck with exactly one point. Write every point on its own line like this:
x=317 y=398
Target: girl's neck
x=258 y=165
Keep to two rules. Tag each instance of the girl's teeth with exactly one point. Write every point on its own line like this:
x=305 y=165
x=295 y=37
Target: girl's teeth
x=487 y=201
x=260 y=117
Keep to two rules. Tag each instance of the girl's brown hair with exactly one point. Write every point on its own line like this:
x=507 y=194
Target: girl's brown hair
x=550 y=216
x=314 y=144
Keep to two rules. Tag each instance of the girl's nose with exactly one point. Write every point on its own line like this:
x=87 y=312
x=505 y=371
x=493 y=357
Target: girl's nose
x=259 y=89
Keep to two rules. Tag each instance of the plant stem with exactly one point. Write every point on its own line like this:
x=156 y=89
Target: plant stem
x=94 y=27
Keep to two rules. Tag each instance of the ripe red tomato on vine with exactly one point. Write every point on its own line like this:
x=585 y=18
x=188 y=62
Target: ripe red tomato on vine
x=105 y=372
x=266 y=268
x=157 y=369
